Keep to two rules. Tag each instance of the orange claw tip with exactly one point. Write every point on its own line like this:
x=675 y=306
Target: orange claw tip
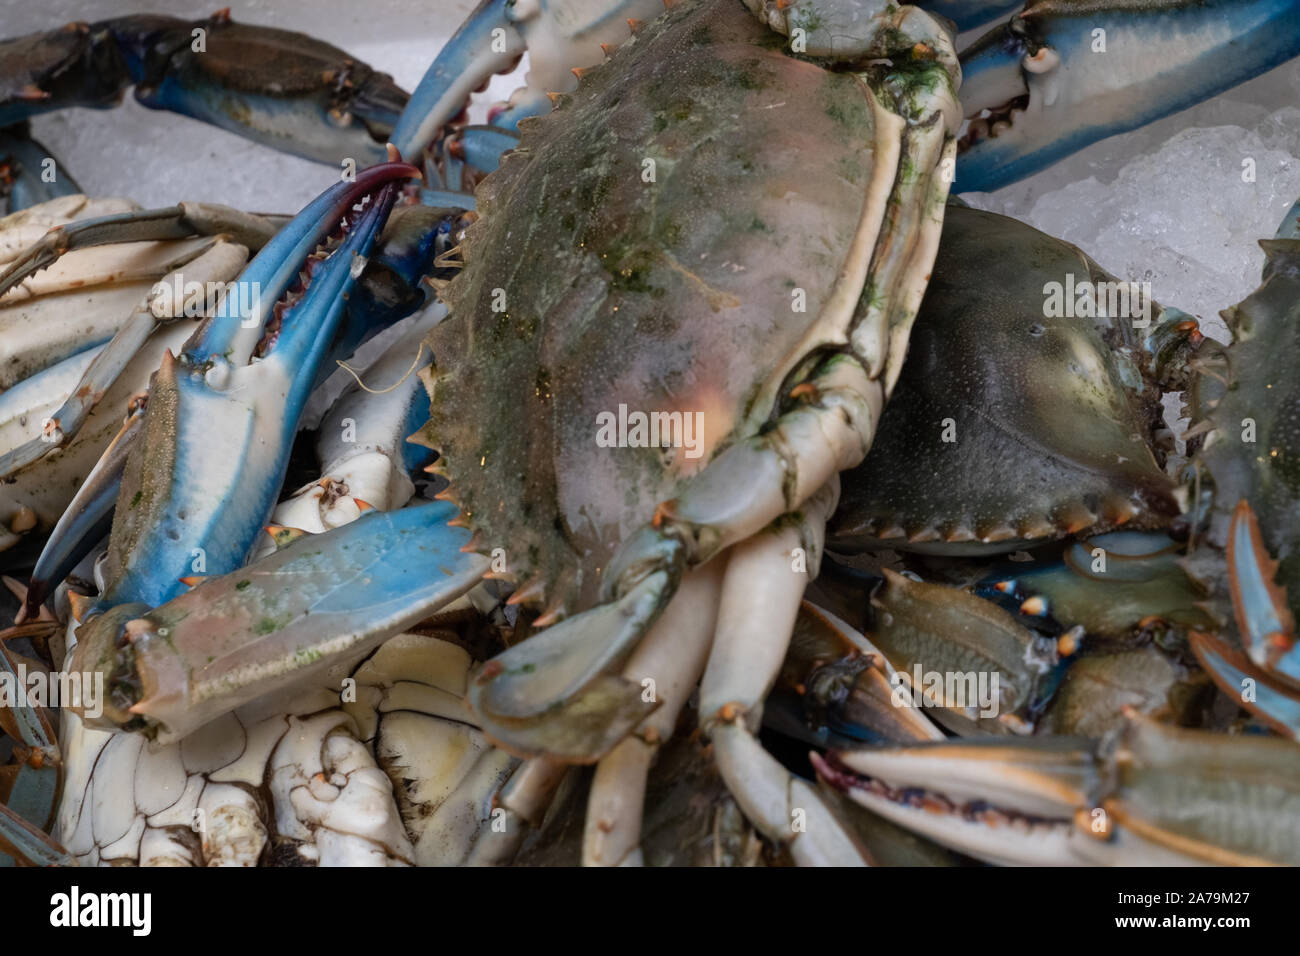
x=551 y=616
x=1005 y=587
x=282 y=536
x=1067 y=645
x=394 y=156
x=1035 y=606
x=579 y=71
x=664 y=512
x=490 y=670
x=192 y=580
x=805 y=390
x=362 y=505
x=608 y=49
x=553 y=97
x=1278 y=644
x=80 y=604
x=634 y=24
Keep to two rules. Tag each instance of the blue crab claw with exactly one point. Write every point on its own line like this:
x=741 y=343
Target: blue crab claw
x=22 y=167
x=259 y=81
x=275 y=87
x=217 y=430
x=1150 y=795
x=1266 y=679
x=550 y=695
x=29 y=784
x=1058 y=77
x=318 y=600
x=1272 y=700
x=1264 y=620
x=553 y=694
x=486 y=43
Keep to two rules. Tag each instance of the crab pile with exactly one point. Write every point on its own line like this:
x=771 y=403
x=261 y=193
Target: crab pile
x=709 y=453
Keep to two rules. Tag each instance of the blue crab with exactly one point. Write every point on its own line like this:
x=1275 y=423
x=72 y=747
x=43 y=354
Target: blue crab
x=1147 y=623
x=1050 y=79
x=783 y=420
x=147 y=638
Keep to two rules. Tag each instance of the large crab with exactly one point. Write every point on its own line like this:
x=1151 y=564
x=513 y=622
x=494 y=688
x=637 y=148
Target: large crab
x=1140 y=618
x=769 y=289
x=893 y=116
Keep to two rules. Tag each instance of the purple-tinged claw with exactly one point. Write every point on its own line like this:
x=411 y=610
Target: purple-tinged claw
x=218 y=430
x=274 y=269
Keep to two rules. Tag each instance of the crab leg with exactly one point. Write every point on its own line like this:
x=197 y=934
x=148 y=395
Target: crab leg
x=34 y=498
x=1266 y=679
x=833 y=671
x=1263 y=618
x=268 y=626
x=761 y=594
x=671 y=659
x=1161 y=796
x=522 y=801
x=362 y=447
x=486 y=43
x=219 y=263
x=182 y=221
x=1273 y=700
x=478 y=147
x=87 y=520
x=334 y=105
x=564 y=662
x=30 y=788
x=1157 y=58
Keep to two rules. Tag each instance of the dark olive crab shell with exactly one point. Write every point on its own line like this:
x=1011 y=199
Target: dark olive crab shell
x=1011 y=423
x=662 y=242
